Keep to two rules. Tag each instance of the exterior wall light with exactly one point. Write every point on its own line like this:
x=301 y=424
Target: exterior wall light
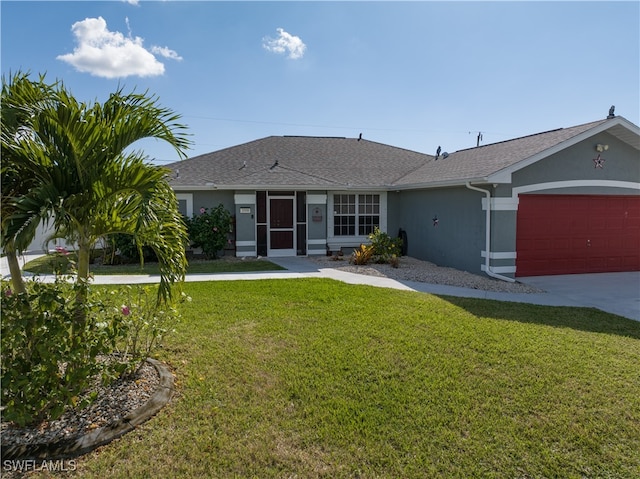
x=600 y=148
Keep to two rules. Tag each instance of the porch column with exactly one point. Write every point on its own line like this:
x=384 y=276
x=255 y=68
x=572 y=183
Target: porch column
x=317 y=223
x=245 y=209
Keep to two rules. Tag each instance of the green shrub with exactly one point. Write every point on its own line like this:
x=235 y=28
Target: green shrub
x=147 y=322
x=209 y=230
x=362 y=255
x=62 y=262
x=122 y=248
x=385 y=248
x=48 y=357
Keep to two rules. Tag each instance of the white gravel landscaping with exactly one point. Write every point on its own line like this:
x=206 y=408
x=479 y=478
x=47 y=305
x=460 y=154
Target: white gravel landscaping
x=412 y=269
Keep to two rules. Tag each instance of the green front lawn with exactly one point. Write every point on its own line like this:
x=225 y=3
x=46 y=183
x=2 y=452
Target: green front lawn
x=47 y=265
x=314 y=378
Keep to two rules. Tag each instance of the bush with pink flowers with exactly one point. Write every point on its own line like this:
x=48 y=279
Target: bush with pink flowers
x=49 y=358
x=209 y=230
x=146 y=322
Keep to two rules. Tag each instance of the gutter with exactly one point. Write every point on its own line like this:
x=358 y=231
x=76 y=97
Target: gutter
x=488 y=236
x=433 y=184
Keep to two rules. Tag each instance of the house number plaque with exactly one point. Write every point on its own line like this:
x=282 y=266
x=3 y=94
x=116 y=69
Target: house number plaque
x=316 y=215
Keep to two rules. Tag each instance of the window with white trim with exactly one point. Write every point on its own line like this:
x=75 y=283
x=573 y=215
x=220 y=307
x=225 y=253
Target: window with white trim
x=355 y=214
x=185 y=204
x=368 y=213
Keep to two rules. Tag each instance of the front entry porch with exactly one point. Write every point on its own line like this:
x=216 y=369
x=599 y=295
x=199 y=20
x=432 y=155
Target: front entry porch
x=281 y=226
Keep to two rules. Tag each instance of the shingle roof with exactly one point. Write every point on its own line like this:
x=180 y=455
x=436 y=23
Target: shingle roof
x=288 y=161
x=482 y=161
x=344 y=163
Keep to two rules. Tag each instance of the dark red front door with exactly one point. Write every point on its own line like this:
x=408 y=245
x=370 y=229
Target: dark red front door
x=281 y=224
x=565 y=234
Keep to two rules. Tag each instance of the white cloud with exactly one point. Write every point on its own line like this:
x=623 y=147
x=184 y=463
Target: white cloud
x=110 y=54
x=132 y=2
x=285 y=42
x=166 y=52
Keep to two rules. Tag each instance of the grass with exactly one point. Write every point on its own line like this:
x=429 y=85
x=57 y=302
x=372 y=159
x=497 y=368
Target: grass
x=47 y=265
x=314 y=378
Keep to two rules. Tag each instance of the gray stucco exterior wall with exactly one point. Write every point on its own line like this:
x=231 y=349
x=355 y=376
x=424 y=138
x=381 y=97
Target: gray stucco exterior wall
x=211 y=199
x=621 y=163
x=245 y=213
x=394 y=207
x=316 y=222
x=456 y=239
x=190 y=202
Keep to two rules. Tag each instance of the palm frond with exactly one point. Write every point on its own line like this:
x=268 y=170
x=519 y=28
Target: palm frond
x=81 y=178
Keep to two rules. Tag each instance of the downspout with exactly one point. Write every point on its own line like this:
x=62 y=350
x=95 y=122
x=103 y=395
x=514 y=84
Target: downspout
x=487 y=229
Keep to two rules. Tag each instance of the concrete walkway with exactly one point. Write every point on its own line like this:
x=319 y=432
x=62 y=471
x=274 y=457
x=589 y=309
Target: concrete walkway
x=617 y=293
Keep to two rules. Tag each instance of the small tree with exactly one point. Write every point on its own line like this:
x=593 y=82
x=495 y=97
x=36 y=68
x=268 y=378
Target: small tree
x=85 y=181
x=68 y=164
x=209 y=230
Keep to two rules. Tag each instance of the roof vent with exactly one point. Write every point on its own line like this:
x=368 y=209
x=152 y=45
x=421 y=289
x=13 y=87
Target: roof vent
x=445 y=155
x=360 y=137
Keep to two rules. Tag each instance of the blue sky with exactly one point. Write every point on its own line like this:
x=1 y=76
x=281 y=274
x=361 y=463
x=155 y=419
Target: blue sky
x=416 y=75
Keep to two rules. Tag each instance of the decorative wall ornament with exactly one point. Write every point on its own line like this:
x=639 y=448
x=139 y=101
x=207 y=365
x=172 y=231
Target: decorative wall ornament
x=598 y=162
x=435 y=220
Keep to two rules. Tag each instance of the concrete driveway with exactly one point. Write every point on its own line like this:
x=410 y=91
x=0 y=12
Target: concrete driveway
x=617 y=293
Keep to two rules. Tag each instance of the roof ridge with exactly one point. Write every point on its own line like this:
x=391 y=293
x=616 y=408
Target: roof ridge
x=312 y=175
x=318 y=137
x=220 y=150
x=509 y=140
x=431 y=157
x=532 y=134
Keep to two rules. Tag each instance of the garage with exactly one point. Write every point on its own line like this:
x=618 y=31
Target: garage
x=568 y=234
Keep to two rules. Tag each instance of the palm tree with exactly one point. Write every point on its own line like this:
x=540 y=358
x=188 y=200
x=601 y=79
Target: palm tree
x=89 y=186
x=21 y=98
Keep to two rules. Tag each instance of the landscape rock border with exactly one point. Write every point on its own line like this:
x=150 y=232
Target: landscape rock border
x=76 y=446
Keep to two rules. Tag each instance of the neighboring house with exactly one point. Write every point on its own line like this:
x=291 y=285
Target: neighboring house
x=562 y=201
x=42 y=242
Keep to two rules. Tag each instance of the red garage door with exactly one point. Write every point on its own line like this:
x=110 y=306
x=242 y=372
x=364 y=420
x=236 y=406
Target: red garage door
x=564 y=234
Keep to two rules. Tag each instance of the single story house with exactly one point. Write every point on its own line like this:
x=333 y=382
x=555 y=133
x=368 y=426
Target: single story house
x=558 y=202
